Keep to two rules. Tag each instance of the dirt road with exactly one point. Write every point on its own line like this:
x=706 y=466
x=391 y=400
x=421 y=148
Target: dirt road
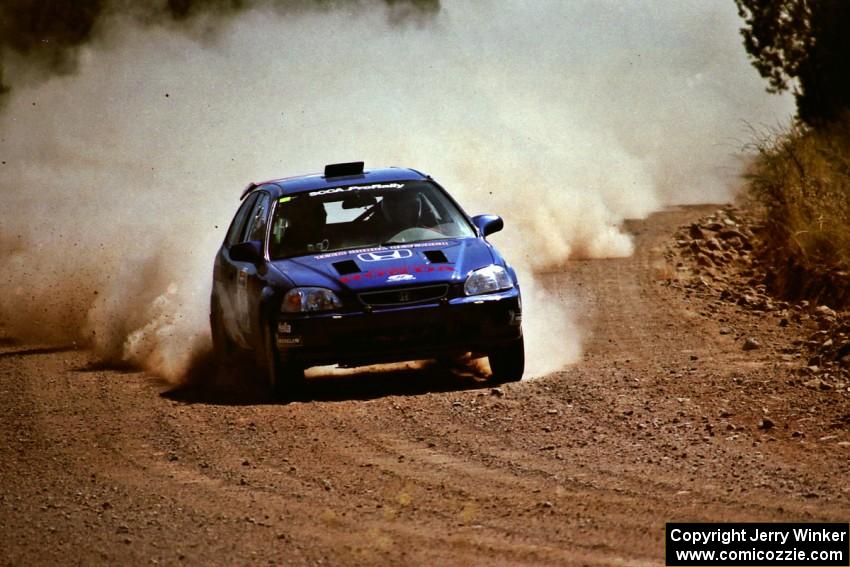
x=662 y=420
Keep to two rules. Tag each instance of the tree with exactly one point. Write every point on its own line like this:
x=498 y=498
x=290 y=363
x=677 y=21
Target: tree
x=802 y=46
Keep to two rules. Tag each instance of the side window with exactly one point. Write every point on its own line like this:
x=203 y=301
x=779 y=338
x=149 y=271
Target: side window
x=256 y=229
x=237 y=227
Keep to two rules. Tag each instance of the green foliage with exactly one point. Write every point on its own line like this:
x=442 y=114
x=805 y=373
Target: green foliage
x=804 y=46
x=802 y=180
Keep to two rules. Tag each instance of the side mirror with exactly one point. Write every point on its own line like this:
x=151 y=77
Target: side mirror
x=488 y=224
x=251 y=251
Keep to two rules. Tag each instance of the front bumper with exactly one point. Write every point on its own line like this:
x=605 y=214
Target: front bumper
x=475 y=324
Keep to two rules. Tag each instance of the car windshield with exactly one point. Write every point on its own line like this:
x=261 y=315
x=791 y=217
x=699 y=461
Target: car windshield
x=366 y=215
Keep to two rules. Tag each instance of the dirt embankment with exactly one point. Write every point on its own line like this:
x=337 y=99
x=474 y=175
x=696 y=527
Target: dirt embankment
x=716 y=258
x=667 y=417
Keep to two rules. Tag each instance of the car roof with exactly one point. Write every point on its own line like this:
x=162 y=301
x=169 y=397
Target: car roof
x=317 y=181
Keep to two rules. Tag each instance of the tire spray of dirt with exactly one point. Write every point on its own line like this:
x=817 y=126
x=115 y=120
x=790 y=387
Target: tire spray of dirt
x=118 y=181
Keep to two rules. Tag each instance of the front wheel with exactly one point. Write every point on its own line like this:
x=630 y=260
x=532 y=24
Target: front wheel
x=285 y=377
x=508 y=362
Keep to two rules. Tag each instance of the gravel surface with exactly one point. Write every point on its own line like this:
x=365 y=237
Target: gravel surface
x=669 y=416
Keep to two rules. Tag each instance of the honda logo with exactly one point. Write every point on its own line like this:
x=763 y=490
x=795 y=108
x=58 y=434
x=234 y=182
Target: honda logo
x=382 y=255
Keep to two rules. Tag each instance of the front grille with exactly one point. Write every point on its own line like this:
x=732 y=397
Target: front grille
x=404 y=296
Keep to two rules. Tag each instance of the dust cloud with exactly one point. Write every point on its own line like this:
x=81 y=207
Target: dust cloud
x=118 y=181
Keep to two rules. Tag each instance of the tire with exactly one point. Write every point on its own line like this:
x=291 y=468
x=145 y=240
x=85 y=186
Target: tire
x=285 y=378
x=508 y=362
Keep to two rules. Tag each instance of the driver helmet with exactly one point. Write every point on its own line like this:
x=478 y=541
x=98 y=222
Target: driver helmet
x=402 y=208
x=305 y=222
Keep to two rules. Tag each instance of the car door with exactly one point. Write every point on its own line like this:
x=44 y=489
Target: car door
x=250 y=279
x=228 y=271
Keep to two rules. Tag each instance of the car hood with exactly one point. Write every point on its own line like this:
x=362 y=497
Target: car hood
x=389 y=266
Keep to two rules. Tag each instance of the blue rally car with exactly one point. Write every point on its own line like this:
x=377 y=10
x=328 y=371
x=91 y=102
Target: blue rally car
x=358 y=267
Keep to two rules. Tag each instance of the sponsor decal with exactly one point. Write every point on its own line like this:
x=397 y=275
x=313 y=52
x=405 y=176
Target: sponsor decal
x=425 y=244
x=380 y=248
x=401 y=277
x=284 y=328
x=410 y=271
x=288 y=341
x=381 y=255
x=356 y=188
x=284 y=199
x=344 y=253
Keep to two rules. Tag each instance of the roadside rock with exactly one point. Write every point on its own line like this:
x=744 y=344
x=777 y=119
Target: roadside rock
x=714 y=256
x=817 y=384
x=696 y=233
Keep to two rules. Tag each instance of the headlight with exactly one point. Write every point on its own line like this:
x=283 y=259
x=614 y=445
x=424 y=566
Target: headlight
x=300 y=299
x=487 y=280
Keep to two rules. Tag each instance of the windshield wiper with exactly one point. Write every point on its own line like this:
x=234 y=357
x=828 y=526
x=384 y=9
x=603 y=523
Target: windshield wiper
x=398 y=242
